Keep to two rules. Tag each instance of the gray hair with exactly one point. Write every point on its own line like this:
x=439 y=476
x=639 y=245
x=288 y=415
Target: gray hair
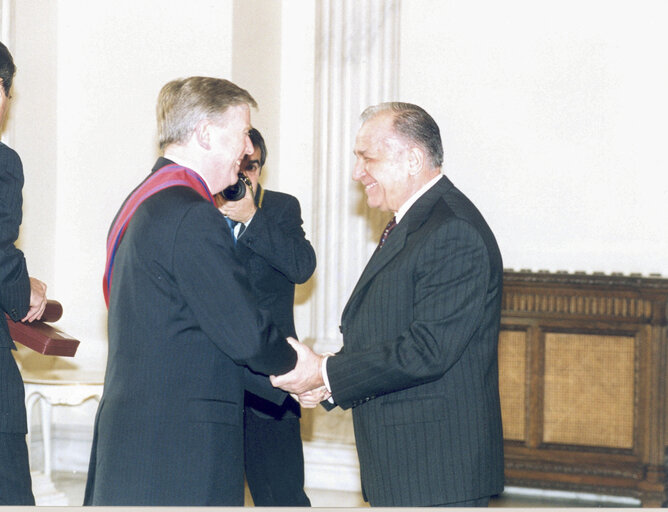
x=414 y=124
x=184 y=102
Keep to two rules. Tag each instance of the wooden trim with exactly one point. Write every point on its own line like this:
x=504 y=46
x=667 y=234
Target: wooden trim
x=598 y=310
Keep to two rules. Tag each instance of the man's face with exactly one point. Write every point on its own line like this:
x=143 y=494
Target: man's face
x=4 y=104
x=382 y=164
x=229 y=142
x=250 y=166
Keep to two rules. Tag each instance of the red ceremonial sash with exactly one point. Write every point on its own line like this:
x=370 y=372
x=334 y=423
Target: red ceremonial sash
x=171 y=175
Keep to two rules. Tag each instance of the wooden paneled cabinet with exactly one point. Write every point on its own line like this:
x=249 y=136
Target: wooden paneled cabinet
x=583 y=363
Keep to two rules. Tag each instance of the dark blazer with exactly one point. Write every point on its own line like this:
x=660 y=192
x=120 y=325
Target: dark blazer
x=276 y=255
x=182 y=327
x=15 y=481
x=14 y=289
x=419 y=360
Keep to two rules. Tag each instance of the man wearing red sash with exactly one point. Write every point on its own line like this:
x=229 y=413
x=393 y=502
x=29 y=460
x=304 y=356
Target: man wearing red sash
x=184 y=329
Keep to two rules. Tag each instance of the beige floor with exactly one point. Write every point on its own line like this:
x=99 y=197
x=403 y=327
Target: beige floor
x=72 y=486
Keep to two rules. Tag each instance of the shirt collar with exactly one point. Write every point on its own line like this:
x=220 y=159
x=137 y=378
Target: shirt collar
x=411 y=200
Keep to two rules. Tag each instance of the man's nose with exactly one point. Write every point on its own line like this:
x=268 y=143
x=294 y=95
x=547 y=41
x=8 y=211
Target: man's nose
x=358 y=170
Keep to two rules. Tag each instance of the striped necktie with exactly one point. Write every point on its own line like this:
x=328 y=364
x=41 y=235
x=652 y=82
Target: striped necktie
x=386 y=232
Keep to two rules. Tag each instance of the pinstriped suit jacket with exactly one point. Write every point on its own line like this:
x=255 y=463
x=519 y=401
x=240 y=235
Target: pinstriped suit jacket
x=419 y=359
x=14 y=289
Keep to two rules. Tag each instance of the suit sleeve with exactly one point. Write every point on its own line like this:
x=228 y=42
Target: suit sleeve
x=276 y=234
x=450 y=280
x=260 y=385
x=215 y=287
x=14 y=281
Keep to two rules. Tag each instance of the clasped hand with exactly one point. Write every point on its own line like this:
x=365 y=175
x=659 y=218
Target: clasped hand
x=304 y=382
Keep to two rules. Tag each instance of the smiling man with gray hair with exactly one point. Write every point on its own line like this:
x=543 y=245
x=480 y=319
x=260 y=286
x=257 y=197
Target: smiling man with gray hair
x=419 y=364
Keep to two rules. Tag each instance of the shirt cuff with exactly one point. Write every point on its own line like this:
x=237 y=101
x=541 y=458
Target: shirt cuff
x=323 y=371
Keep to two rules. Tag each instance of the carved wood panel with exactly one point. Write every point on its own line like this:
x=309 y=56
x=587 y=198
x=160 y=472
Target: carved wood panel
x=582 y=362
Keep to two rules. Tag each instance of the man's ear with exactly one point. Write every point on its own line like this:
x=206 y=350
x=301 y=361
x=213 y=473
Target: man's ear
x=203 y=133
x=415 y=161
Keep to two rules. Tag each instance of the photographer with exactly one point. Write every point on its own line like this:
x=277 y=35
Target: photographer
x=272 y=246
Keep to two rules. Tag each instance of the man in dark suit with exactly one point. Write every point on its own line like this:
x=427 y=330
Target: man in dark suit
x=22 y=298
x=420 y=330
x=273 y=248
x=183 y=323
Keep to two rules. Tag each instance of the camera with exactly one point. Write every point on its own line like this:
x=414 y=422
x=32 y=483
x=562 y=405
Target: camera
x=238 y=190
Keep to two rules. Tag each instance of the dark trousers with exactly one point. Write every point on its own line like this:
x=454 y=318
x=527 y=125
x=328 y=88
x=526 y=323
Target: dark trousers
x=15 y=481
x=274 y=461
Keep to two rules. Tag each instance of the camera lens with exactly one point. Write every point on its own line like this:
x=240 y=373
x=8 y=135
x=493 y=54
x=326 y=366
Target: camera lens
x=236 y=191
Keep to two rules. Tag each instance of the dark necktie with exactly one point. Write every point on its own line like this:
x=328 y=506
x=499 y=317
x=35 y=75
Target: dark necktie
x=232 y=224
x=386 y=232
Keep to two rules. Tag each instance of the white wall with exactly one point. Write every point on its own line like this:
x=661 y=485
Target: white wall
x=84 y=120
x=31 y=127
x=256 y=66
x=553 y=116
x=554 y=121
x=296 y=138
x=111 y=59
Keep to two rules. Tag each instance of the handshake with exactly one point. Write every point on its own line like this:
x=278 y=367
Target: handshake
x=305 y=381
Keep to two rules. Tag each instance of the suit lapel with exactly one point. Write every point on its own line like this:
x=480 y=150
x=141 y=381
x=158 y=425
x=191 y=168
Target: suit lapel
x=379 y=259
x=258 y=194
x=414 y=218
